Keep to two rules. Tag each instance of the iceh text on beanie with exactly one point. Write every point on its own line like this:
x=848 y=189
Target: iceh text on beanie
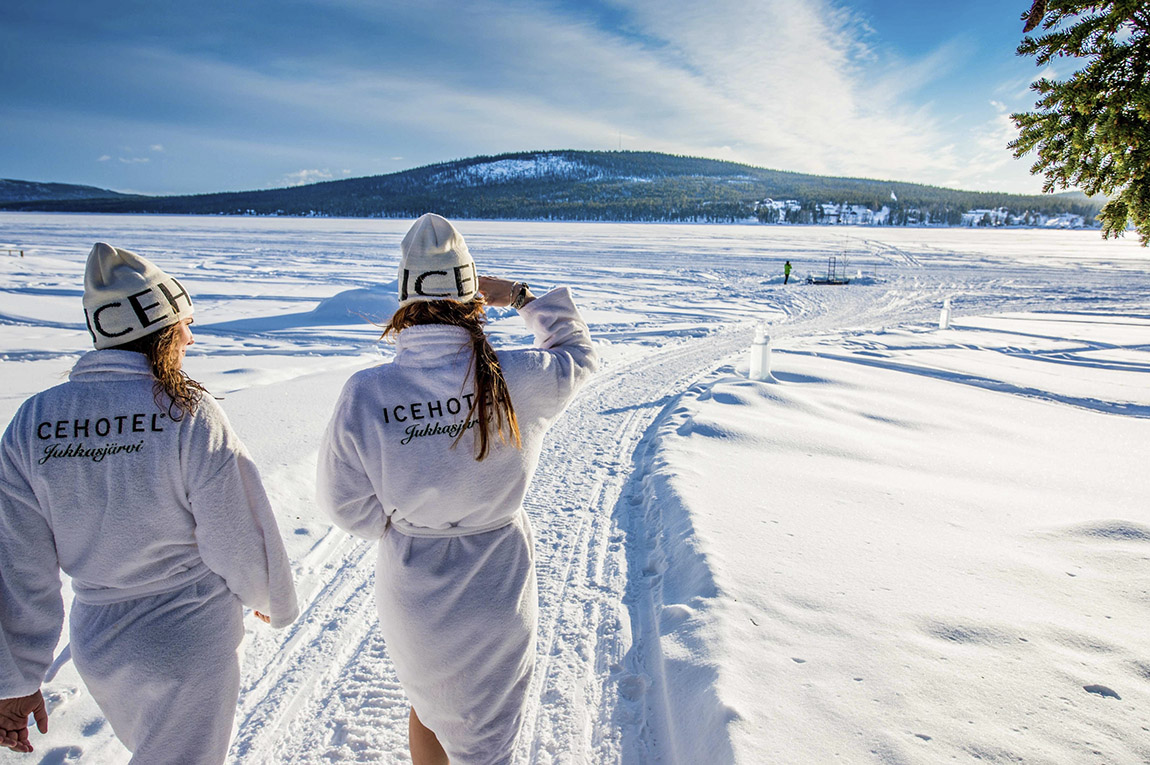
x=126 y=297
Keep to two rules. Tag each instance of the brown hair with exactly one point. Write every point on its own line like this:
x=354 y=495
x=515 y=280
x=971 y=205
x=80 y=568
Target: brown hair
x=491 y=405
x=182 y=392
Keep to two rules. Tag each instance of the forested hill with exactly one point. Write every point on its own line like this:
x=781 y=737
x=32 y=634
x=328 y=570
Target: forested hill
x=582 y=185
x=31 y=191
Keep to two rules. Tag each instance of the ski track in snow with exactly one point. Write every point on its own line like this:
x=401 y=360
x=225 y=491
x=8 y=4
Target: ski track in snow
x=283 y=685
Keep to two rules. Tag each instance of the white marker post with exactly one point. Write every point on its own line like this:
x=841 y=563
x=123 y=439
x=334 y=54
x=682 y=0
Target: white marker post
x=760 y=361
x=944 y=315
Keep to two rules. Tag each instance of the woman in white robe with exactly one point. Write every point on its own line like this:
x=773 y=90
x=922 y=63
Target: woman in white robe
x=131 y=480
x=433 y=454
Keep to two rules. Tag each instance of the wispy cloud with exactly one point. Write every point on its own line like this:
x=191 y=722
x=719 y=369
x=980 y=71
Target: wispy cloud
x=304 y=177
x=772 y=82
x=989 y=156
x=805 y=85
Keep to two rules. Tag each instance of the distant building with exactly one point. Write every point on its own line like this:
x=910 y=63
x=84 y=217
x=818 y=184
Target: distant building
x=859 y=215
x=999 y=216
x=1066 y=220
x=846 y=214
x=778 y=211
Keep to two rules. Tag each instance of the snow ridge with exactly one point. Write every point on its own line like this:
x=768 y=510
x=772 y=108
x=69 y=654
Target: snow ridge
x=662 y=683
x=595 y=698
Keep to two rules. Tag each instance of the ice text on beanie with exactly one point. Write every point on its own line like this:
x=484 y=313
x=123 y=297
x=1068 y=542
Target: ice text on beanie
x=415 y=284
x=143 y=311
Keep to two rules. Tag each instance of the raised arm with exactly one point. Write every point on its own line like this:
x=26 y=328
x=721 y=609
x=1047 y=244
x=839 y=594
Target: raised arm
x=569 y=358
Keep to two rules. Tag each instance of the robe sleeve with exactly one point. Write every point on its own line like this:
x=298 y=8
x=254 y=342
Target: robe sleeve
x=31 y=608
x=566 y=357
x=236 y=529
x=343 y=487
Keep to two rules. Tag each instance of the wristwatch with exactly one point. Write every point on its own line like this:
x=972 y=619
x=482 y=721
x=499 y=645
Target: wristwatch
x=519 y=295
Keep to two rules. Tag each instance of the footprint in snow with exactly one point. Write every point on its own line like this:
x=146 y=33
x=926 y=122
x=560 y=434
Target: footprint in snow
x=632 y=687
x=62 y=754
x=1101 y=690
x=1117 y=530
x=60 y=696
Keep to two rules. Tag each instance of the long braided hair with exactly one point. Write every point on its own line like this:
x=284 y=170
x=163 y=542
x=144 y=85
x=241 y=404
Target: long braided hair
x=491 y=406
x=183 y=394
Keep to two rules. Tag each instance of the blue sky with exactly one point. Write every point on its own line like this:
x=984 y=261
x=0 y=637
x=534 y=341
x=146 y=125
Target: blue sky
x=159 y=97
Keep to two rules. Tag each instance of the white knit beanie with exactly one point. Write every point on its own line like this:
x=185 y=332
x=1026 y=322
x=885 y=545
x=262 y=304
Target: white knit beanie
x=127 y=297
x=436 y=264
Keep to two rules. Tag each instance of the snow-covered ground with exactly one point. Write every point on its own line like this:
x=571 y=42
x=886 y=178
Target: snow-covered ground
x=912 y=546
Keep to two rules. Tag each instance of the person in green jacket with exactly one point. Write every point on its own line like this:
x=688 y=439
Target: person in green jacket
x=786 y=272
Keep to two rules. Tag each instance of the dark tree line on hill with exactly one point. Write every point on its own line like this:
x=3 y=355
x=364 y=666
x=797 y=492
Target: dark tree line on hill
x=577 y=185
x=31 y=191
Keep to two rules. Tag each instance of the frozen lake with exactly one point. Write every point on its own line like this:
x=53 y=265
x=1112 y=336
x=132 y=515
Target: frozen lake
x=914 y=545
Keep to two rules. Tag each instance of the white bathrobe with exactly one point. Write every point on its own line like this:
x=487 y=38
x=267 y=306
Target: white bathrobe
x=455 y=582
x=165 y=529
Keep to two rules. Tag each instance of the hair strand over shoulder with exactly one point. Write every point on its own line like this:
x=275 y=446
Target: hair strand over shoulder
x=491 y=406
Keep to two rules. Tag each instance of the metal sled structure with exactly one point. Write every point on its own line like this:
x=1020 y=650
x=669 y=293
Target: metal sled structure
x=836 y=272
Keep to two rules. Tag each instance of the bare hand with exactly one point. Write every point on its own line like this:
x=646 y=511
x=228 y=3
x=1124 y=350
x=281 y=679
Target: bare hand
x=496 y=291
x=499 y=292
x=263 y=618
x=14 y=720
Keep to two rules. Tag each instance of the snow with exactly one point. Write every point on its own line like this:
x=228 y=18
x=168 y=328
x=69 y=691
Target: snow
x=504 y=170
x=913 y=545
x=928 y=556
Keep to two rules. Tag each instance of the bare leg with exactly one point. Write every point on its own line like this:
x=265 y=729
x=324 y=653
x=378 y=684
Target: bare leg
x=424 y=746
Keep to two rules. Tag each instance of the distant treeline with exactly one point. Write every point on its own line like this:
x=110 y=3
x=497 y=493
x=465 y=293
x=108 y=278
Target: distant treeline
x=32 y=191
x=580 y=185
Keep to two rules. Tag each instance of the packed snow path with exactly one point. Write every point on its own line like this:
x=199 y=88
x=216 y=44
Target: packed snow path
x=325 y=688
